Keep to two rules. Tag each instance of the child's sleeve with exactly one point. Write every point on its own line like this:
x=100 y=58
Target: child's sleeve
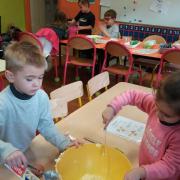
x=47 y=128
x=5 y=148
x=92 y=21
x=142 y=100
x=115 y=32
x=77 y=17
x=169 y=166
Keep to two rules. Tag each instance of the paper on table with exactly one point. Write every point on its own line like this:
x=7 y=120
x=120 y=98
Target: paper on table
x=126 y=128
x=128 y=45
x=94 y=36
x=146 y=51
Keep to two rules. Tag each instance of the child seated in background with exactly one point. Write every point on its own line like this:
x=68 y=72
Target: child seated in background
x=159 y=156
x=60 y=24
x=109 y=28
x=85 y=19
x=24 y=106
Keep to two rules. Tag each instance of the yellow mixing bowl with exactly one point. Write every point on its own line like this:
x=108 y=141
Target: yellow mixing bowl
x=92 y=162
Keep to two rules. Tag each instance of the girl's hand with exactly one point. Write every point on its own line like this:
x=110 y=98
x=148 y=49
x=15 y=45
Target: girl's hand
x=108 y=115
x=16 y=159
x=136 y=174
x=74 y=142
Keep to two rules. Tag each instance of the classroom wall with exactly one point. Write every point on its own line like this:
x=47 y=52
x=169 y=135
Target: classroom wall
x=71 y=8
x=152 y=12
x=12 y=12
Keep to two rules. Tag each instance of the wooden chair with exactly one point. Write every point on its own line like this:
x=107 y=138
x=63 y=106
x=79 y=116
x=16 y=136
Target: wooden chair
x=96 y=83
x=148 y=62
x=116 y=49
x=157 y=38
x=2 y=70
x=27 y=36
x=79 y=42
x=170 y=62
x=46 y=36
x=69 y=92
x=59 y=108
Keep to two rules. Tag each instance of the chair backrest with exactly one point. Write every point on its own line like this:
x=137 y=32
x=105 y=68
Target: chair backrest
x=29 y=37
x=114 y=48
x=172 y=56
x=97 y=82
x=80 y=42
x=59 y=108
x=51 y=37
x=69 y=92
x=170 y=61
x=157 y=38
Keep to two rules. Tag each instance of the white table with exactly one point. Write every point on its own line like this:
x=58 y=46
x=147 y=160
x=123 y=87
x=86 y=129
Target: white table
x=87 y=122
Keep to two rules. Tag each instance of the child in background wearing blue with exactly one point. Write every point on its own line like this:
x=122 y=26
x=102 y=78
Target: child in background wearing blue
x=85 y=19
x=24 y=106
x=109 y=28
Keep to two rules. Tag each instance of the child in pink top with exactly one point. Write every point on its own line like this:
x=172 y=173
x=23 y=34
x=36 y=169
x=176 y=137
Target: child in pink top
x=159 y=156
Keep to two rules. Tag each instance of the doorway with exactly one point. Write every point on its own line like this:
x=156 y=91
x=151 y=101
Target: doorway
x=42 y=13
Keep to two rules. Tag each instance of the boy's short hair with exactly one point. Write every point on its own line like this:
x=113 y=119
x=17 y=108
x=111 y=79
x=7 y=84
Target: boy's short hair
x=18 y=54
x=84 y=2
x=110 y=13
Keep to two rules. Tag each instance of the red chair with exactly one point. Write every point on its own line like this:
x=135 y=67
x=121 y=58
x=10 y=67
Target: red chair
x=1 y=82
x=2 y=70
x=79 y=42
x=51 y=36
x=116 y=49
x=27 y=36
x=170 y=62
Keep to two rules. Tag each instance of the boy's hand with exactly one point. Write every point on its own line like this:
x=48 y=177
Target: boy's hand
x=16 y=159
x=136 y=174
x=108 y=115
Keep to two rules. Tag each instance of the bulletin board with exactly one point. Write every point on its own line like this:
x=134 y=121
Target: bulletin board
x=153 y=12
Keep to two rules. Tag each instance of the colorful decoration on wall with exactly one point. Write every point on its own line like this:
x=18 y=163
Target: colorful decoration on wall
x=92 y=1
x=72 y=1
x=75 y=1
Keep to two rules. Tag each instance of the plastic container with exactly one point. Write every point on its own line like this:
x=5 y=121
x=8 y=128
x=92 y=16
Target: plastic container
x=51 y=175
x=92 y=161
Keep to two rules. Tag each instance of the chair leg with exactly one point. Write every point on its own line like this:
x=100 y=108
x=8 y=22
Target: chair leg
x=55 y=64
x=140 y=76
x=126 y=78
x=65 y=71
x=1 y=83
x=117 y=78
x=93 y=69
x=77 y=74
